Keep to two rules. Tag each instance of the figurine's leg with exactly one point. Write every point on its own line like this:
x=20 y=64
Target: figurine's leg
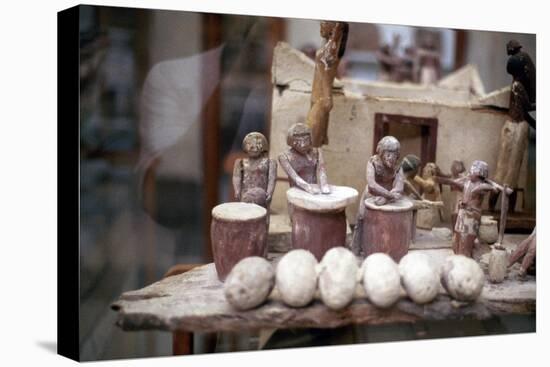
x=453 y=219
x=317 y=119
x=468 y=245
x=529 y=257
x=456 y=243
x=521 y=250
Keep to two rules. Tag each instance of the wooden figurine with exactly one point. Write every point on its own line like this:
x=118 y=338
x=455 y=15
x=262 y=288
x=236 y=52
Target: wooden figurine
x=413 y=187
x=388 y=63
x=474 y=187
x=515 y=132
x=410 y=166
x=327 y=59
x=316 y=210
x=457 y=171
x=254 y=177
x=303 y=163
x=526 y=252
x=429 y=217
x=428 y=62
x=526 y=72
x=385 y=180
x=405 y=69
x=385 y=216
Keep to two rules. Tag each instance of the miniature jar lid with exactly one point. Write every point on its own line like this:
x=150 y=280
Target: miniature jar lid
x=401 y=205
x=338 y=199
x=237 y=211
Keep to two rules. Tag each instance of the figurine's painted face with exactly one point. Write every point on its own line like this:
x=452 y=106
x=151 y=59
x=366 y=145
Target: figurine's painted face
x=389 y=157
x=254 y=146
x=478 y=171
x=475 y=174
x=429 y=170
x=302 y=143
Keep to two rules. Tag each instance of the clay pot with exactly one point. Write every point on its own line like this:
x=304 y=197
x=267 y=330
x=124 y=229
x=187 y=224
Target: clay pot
x=488 y=230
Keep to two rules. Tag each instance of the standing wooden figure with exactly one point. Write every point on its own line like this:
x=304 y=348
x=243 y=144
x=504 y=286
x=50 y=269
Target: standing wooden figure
x=526 y=253
x=429 y=62
x=254 y=177
x=410 y=166
x=474 y=186
x=514 y=135
x=526 y=72
x=327 y=59
x=429 y=217
x=457 y=171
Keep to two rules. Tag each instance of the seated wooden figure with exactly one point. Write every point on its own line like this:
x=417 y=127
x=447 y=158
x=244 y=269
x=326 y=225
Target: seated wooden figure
x=385 y=215
x=474 y=187
x=316 y=210
x=254 y=177
x=303 y=163
x=385 y=178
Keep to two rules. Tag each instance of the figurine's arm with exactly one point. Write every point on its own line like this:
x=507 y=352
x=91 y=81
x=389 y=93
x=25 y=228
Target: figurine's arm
x=498 y=187
x=440 y=173
x=412 y=189
x=374 y=187
x=341 y=34
x=294 y=177
x=427 y=185
x=398 y=184
x=458 y=183
x=237 y=178
x=271 y=177
x=322 y=173
x=484 y=187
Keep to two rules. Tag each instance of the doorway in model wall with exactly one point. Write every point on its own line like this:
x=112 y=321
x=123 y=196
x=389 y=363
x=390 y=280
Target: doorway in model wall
x=417 y=135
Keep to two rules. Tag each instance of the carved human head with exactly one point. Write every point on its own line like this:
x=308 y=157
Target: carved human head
x=255 y=144
x=513 y=47
x=457 y=167
x=410 y=165
x=430 y=170
x=479 y=169
x=299 y=138
x=388 y=149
